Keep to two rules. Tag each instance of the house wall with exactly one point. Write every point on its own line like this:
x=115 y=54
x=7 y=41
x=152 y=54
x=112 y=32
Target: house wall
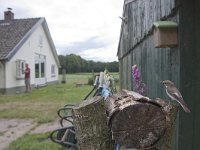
x=27 y=52
x=24 y=53
x=2 y=74
x=46 y=51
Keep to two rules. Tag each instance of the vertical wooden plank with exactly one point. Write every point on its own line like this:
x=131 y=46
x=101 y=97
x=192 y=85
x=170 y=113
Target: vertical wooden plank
x=123 y=78
x=150 y=14
x=125 y=72
x=197 y=79
x=130 y=26
x=121 y=73
x=129 y=70
x=141 y=14
x=157 y=14
x=146 y=16
x=143 y=61
x=162 y=8
x=133 y=55
x=187 y=75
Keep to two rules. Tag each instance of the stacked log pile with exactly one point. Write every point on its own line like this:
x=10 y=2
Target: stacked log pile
x=133 y=120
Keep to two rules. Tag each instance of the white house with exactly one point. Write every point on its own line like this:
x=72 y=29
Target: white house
x=26 y=41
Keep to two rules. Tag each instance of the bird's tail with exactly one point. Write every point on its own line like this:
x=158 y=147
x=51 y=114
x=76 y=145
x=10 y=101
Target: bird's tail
x=185 y=107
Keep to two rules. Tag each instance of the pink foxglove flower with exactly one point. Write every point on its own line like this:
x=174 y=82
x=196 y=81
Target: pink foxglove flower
x=138 y=85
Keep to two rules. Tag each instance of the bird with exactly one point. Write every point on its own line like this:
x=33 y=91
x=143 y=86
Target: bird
x=174 y=94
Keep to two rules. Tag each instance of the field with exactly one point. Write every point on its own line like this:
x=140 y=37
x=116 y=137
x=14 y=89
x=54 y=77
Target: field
x=46 y=101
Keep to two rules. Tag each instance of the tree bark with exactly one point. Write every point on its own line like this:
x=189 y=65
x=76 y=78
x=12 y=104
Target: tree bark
x=90 y=123
x=170 y=109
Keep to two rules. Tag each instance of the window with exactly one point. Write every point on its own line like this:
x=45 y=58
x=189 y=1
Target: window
x=42 y=69
x=53 y=70
x=40 y=41
x=39 y=66
x=37 y=72
x=20 y=67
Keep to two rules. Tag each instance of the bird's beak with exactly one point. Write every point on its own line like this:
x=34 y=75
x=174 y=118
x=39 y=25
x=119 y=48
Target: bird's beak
x=161 y=82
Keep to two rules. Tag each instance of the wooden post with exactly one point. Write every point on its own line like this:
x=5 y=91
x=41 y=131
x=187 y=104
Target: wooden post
x=63 y=76
x=90 y=124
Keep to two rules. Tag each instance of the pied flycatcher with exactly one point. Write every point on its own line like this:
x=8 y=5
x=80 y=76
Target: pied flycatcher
x=174 y=94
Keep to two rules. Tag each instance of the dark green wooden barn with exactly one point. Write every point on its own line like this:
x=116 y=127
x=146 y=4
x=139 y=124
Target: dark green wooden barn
x=180 y=64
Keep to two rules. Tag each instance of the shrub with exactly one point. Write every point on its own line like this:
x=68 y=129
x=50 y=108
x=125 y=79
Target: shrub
x=91 y=81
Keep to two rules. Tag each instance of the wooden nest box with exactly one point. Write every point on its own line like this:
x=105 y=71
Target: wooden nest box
x=165 y=34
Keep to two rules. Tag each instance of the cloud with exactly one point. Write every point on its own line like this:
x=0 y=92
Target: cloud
x=91 y=43
x=75 y=25
x=105 y=54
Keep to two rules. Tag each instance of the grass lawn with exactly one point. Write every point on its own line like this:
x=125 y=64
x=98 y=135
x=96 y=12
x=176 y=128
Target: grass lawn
x=41 y=105
x=46 y=100
x=34 y=142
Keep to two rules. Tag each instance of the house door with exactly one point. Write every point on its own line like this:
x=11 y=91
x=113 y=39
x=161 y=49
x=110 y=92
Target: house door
x=40 y=75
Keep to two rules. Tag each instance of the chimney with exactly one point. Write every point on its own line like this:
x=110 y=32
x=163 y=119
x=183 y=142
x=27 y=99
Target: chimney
x=8 y=15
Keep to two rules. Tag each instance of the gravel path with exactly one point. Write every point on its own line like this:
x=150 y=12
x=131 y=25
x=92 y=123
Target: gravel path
x=11 y=129
x=47 y=127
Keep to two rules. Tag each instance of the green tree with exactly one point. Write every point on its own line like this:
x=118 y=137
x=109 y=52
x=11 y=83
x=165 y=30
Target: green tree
x=74 y=63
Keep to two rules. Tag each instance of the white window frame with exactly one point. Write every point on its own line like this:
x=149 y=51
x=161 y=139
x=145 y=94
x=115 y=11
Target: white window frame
x=20 y=67
x=40 y=59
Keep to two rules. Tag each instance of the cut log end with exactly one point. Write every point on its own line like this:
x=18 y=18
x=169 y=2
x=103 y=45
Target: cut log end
x=139 y=125
x=139 y=122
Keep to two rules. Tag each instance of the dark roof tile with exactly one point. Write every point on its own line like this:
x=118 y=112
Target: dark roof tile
x=12 y=32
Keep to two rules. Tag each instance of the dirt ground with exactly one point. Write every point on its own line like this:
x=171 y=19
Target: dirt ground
x=11 y=129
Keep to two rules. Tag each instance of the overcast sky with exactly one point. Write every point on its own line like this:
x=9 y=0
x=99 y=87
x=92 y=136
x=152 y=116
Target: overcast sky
x=89 y=28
